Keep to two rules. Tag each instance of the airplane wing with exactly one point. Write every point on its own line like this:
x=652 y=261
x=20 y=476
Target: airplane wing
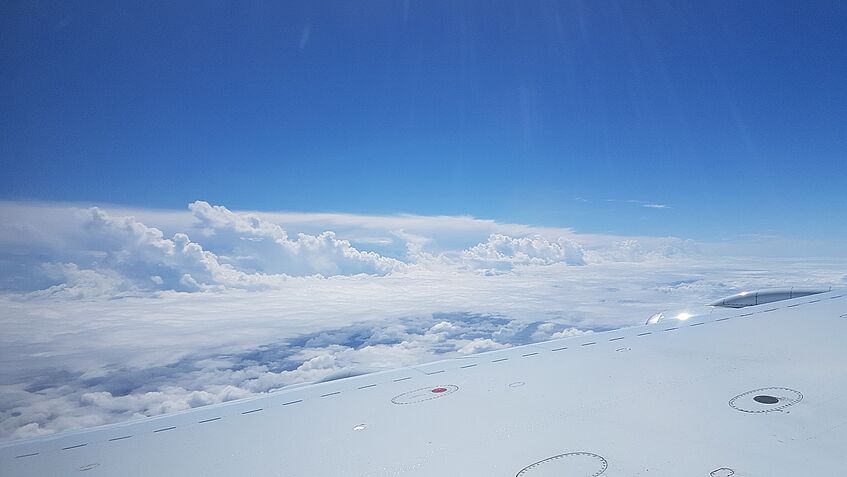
x=758 y=391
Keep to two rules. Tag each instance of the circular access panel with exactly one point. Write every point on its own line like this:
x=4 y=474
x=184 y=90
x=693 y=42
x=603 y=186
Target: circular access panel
x=572 y=464
x=765 y=400
x=425 y=394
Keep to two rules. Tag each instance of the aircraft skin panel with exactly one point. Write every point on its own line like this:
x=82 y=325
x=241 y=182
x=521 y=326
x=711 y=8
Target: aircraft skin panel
x=753 y=392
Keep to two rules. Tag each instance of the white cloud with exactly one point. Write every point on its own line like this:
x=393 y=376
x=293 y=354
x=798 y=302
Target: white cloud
x=552 y=331
x=480 y=345
x=500 y=250
x=81 y=284
x=138 y=252
x=633 y=250
x=110 y=314
x=253 y=242
x=93 y=253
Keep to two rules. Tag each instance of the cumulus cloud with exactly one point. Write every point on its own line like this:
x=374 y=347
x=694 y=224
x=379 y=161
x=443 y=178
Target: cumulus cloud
x=502 y=250
x=100 y=254
x=95 y=252
x=80 y=284
x=111 y=314
x=551 y=331
x=259 y=244
x=140 y=253
x=480 y=345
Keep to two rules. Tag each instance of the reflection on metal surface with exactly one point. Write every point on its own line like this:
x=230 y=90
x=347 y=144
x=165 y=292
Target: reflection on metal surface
x=769 y=295
x=679 y=315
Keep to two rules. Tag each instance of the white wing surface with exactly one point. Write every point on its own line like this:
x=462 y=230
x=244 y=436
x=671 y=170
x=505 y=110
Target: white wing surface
x=754 y=392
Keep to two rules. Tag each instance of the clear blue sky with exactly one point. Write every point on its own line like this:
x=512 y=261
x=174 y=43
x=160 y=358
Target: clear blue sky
x=732 y=113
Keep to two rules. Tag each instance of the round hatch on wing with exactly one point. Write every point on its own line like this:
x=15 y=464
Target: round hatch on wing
x=572 y=464
x=765 y=400
x=425 y=394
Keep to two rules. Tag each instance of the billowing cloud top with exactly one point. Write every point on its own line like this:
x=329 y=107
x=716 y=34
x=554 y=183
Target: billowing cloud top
x=260 y=244
x=95 y=252
x=535 y=249
x=110 y=314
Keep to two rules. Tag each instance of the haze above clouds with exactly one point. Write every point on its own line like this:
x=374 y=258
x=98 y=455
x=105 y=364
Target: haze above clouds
x=110 y=314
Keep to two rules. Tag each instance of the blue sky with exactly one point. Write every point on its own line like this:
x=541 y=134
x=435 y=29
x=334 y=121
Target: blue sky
x=575 y=114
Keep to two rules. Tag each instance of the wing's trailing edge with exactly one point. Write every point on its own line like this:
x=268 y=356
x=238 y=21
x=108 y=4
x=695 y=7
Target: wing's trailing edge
x=751 y=392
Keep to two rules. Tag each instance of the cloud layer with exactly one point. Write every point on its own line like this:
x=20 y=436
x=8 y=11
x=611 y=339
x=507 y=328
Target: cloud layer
x=110 y=314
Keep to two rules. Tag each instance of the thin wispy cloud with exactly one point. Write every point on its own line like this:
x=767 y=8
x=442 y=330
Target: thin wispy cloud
x=636 y=202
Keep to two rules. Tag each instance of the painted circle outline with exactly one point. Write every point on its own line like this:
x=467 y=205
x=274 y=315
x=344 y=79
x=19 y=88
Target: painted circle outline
x=769 y=391
x=604 y=464
x=450 y=389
